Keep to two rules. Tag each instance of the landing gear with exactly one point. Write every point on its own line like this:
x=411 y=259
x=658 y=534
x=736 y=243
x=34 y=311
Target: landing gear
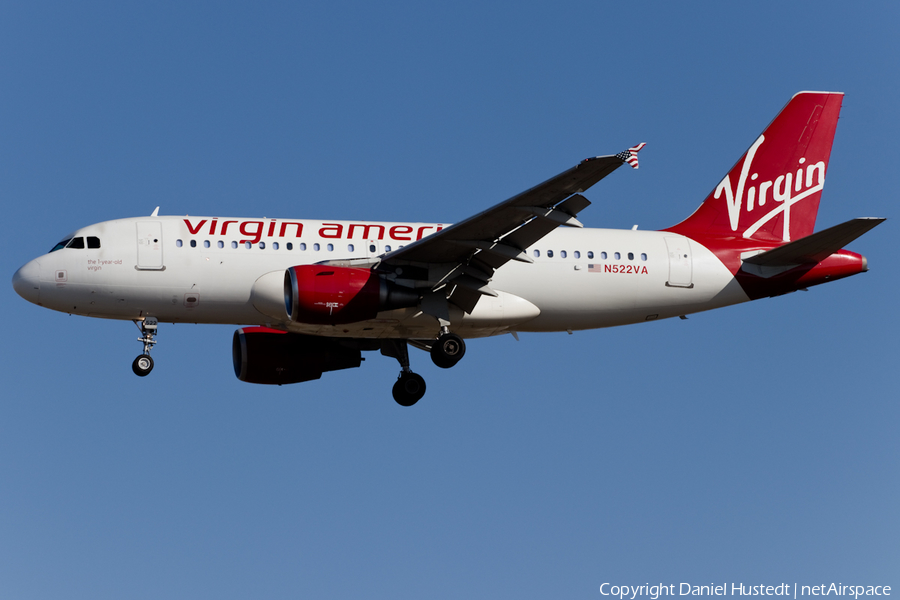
x=448 y=350
x=143 y=364
x=410 y=387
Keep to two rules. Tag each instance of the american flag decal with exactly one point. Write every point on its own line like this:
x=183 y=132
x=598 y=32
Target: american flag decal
x=630 y=155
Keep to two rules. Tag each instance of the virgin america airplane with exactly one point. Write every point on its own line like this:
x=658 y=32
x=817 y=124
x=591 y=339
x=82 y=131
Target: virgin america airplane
x=314 y=295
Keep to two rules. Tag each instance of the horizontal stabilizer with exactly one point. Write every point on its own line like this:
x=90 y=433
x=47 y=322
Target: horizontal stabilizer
x=816 y=247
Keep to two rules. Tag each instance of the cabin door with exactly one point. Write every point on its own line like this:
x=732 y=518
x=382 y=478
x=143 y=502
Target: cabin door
x=149 y=246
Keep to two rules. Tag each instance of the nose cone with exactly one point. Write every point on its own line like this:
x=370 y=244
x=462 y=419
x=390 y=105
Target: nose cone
x=27 y=281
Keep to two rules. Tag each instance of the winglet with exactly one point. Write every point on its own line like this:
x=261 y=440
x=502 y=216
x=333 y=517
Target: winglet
x=631 y=155
x=155 y=212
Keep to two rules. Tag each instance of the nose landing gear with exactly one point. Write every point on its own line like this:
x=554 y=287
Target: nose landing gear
x=143 y=364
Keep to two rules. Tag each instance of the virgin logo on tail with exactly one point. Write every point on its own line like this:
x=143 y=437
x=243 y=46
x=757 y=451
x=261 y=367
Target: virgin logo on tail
x=786 y=190
x=772 y=193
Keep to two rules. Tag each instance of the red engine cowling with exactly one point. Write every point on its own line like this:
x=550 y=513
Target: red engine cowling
x=327 y=295
x=269 y=356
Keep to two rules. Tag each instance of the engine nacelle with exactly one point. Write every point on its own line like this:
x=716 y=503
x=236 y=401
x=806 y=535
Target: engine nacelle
x=269 y=356
x=328 y=295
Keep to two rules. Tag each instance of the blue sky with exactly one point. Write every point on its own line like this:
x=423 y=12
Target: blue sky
x=753 y=444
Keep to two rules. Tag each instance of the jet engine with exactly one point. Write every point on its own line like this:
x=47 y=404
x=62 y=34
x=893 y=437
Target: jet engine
x=269 y=356
x=329 y=295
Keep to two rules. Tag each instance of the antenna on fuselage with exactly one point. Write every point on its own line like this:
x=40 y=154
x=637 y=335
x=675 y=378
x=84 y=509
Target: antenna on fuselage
x=155 y=212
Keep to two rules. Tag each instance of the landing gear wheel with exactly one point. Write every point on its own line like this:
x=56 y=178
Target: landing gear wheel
x=448 y=350
x=142 y=365
x=409 y=388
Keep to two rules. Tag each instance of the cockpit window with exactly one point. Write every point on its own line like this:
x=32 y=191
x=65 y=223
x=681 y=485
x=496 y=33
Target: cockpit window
x=77 y=243
x=61 y=245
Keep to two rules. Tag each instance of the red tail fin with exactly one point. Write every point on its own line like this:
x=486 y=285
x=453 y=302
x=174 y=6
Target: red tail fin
x=773 y=191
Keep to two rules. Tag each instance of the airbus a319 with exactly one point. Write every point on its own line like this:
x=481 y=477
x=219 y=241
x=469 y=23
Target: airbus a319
x=311 y=296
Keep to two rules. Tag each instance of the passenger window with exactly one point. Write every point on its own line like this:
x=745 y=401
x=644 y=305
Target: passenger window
x=372 y=248
x=643 y=256
x=274 y=245
x=603 y=255
x=631 y=256
x=234 y=245
x=549 y=253
x=178 y=243
x=262 y=245
x=537 y=253
x=590 y=254
x=220 y=244
x=193 y=243
x=562 y=253
x=303 y=245
x=349 y=247
x=577 y=254
x=77 y=243
x=331 y=247
x=316 y=247
x=248 y=245
x=618 y=256
x=93 y=242
x=387 y=248
x=289 y=246
x=206 y=243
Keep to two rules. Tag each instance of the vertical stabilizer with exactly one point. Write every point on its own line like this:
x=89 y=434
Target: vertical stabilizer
x=773 y=191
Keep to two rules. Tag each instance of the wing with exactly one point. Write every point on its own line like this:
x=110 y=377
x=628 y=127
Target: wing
x=462 y=258
x=550 y=203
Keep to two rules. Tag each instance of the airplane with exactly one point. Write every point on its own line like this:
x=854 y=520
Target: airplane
x=311 y=296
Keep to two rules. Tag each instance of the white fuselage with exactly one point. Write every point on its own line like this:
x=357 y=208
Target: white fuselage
x=185 y=269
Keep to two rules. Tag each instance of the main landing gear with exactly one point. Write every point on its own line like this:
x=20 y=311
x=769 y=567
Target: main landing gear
x=143 y=364
x=446 y=351
x=410 y=387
